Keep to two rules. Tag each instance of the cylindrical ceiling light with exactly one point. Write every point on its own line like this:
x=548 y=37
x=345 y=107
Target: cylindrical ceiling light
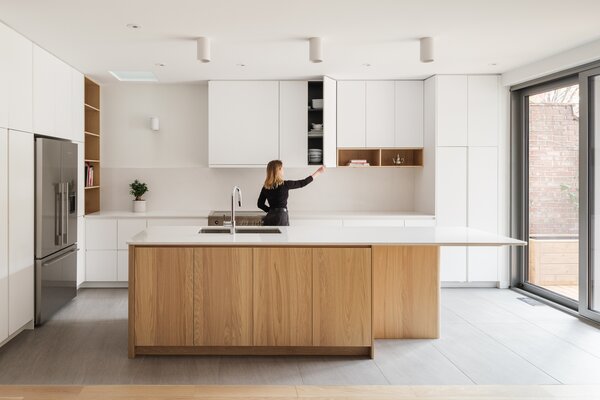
x=426 y=49
x=315 y=49
x=203 y=49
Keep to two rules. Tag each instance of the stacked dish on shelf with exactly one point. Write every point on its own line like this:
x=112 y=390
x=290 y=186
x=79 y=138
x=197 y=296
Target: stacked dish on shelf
x=315 y=156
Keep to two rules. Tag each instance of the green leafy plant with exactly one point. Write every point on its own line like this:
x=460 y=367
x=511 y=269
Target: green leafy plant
x=138 y=189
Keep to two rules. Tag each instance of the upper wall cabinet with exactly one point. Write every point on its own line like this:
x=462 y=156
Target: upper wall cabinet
x=293 y=117
x=351 y=114
x=451 y=110
x=409 y=114
x=77 y=106
x=243 y=122
x=483 y=110
x=380 y=112
x=15 y=81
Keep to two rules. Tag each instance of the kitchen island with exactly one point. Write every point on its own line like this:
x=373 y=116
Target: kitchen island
x=306 y=290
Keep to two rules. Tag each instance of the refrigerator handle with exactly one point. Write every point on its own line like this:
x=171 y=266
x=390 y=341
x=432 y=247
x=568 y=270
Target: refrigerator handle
x=66 y=212
x=58 y=215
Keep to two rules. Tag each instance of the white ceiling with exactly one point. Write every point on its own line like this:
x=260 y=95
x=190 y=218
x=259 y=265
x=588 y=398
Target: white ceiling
x=270 y=36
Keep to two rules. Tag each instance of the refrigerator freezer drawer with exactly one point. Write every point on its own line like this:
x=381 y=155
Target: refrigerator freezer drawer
x=55 y=282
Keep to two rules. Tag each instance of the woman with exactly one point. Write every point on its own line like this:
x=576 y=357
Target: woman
x=275 y=191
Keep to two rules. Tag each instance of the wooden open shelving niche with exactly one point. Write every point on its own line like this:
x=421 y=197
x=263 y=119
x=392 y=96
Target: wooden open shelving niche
x=381 y=157
x=92 y=144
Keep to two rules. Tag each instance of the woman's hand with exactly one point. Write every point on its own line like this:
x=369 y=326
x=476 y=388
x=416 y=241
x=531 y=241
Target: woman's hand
x=319 y=171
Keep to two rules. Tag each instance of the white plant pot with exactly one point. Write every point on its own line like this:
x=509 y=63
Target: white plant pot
x=139 y=206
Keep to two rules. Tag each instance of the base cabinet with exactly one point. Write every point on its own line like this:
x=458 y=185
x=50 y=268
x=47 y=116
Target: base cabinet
x=240 y=300
x=342 y=297
x=164 y=296
x=223 y=297
x=283 y=300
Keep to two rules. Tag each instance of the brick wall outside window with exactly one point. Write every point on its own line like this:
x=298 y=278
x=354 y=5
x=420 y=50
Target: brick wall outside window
x=553 y=169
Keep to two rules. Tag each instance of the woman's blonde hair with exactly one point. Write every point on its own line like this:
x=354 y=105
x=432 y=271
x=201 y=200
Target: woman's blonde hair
x=274 y=178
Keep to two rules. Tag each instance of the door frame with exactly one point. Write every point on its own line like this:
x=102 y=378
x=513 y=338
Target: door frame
x=586 y=187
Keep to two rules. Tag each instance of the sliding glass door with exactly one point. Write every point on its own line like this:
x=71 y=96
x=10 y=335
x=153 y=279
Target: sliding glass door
x=590 y=266
x=555 y=188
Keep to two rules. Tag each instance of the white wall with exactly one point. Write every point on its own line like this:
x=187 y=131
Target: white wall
x=559 y=62
x=174 y=163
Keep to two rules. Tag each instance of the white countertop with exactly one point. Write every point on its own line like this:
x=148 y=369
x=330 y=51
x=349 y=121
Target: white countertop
x=293 y=214
x=325 y=236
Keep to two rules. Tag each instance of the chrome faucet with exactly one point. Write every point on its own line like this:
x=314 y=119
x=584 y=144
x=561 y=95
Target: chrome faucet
x=239 y=201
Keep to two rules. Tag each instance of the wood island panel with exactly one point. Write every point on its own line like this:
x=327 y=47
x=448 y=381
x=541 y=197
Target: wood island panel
x=163 y=295
x=283 y=297
x=342 y=297
x=406 y=298
x=222 y=296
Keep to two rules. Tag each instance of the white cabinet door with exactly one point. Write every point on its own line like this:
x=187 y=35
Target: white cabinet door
x=243 y=122
x=451 y=186
x=127 y=228
x=101 y=265
x=81 y=181
x=409 y=114
x=63 y=113
x=374 y=222
x=483 y=110
x=5 y=33
x=45 y=70
x=3 y=231
x=19 y=64
x=329 y=122
x=100 y=234
x=293 y=120
x=20 y=229
x=80 y=250
x=380 y=113
x=483 y=210
x=451 y=108
x=77 y=108
x=453 y=264
x=178 y=222
x=451 y=207
x=123 y=265
x=351 y=114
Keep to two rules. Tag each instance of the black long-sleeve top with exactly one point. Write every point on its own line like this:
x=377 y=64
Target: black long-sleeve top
x=278 y=196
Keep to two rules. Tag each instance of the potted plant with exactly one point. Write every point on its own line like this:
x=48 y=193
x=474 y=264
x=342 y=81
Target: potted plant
x=138 y=189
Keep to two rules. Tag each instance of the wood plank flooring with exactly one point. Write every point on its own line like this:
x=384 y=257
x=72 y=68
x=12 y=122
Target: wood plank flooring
x=488 y=337
x=529 y=392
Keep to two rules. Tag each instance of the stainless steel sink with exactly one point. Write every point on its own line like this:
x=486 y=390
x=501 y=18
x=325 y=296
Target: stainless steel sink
x=258 y=230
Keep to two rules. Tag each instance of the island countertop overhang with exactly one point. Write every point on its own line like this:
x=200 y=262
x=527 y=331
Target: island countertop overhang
x=324 y=236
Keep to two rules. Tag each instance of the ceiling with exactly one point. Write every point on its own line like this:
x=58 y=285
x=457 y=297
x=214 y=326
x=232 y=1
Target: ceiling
x=270 y=36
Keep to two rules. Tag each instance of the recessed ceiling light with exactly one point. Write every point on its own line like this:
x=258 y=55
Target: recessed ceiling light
x=160 y=65
x=134 y=26
x=240 y=65
x=134 y=76
x=493 y=64
x=366 y=65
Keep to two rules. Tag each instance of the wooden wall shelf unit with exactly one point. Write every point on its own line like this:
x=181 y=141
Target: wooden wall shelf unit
x=92 y=145
x=381 y=157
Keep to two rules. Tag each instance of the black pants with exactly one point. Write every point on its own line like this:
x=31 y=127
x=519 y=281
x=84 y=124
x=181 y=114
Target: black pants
x=277 y=217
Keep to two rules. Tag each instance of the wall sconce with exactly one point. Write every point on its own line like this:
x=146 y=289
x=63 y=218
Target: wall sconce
x=154 y=124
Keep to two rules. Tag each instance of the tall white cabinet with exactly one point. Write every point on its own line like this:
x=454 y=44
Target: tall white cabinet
x=293 y=116
x=3 y=234
x=16 y=94
x=20 y=229
x=463 y=117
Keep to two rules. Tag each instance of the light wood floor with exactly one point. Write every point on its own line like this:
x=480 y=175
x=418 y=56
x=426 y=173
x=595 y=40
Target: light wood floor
x=488 y=337
x=564 y=392
x=570 y=291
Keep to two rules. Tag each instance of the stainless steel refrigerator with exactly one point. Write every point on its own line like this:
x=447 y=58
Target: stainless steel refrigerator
x=55 y=225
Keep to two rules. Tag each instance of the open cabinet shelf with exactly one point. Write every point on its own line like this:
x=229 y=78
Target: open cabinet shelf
x=381 y=157
x=92 y=145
